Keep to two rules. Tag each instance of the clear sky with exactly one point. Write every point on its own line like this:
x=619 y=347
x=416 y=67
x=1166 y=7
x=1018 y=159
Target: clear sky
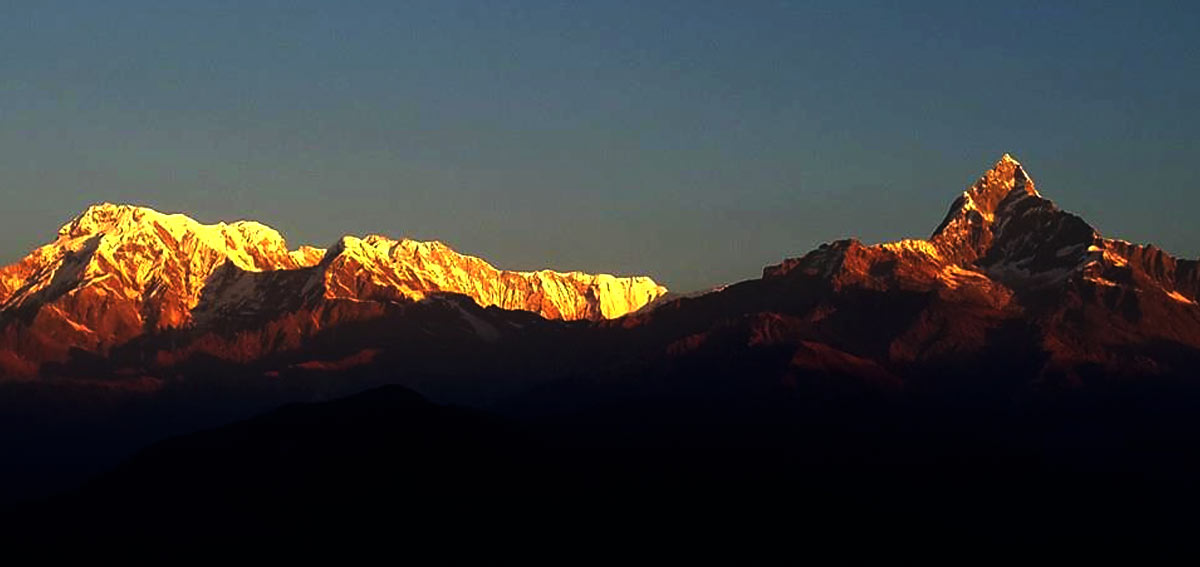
x=693 y=141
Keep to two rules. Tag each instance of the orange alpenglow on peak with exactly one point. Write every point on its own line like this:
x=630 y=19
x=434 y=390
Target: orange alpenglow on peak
x=968 y=227
x=964 y=237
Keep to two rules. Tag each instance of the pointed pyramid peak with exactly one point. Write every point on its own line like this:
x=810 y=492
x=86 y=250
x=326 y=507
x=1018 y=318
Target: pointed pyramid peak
x=1007 y=175
x=997 y=183
x=967 y=228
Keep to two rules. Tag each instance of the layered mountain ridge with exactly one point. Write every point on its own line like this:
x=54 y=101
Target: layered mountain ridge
x=1014 y=357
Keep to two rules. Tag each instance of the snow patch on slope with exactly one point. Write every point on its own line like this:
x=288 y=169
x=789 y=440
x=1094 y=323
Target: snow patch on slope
x=1180 y=297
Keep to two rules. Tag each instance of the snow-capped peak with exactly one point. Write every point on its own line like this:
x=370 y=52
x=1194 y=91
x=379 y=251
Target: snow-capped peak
x=153 y=265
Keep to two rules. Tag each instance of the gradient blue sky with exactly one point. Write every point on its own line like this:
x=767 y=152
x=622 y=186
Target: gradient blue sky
x=692 y=141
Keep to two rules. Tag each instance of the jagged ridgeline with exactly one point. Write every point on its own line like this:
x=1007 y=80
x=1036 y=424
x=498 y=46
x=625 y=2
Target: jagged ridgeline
x=117 y=272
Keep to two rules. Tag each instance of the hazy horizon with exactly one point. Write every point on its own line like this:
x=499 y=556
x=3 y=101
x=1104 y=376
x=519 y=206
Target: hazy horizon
x=691 y=142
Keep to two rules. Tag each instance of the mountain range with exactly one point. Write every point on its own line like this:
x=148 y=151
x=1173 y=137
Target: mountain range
x=1015 y=348
x=126 y=291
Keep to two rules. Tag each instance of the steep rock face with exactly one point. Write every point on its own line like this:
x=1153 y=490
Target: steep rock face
x=969 y=228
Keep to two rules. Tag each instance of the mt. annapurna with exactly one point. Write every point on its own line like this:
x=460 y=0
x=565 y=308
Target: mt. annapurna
x=117 y=272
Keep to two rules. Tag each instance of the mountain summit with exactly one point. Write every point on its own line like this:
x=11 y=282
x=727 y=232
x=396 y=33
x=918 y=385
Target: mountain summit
x=969 y=227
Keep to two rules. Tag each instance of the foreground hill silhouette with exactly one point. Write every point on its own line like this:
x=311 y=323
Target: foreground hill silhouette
x=387 y=463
